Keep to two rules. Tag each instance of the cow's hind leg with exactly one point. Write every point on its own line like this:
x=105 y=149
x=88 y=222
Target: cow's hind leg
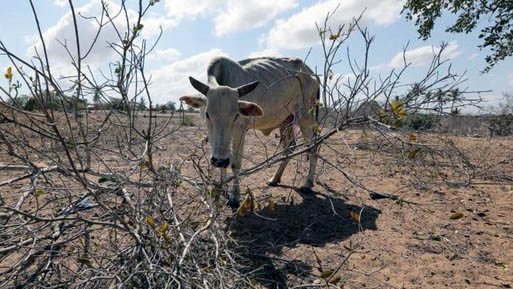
x=306 y=124
x=287 y=141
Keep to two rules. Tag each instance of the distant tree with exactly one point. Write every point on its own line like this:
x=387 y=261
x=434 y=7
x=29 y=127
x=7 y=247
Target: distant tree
x=18 y=102
x=502 y=123
x=96 y=98
x=115 y=104
x=497 y=35
x=49 y=100
x=506 y=105
x=142 y=104
x=30 y=105
x=171 y=105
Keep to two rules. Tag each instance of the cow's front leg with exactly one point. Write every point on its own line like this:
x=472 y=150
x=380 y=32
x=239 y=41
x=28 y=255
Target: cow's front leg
x=234 y=201
x=222 y=178
x=237 y=150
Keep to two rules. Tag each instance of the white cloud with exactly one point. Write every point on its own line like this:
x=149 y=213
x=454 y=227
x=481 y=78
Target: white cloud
x=241 y=15
x=423 y=56
x=232 y=15
x=100 y=54
x=473 y=56
x=63 y=32
x=171 y=81
x=187 y=8
x=265 y=52
x=510 y=80
x=344 y=78
x=299 y=30
x=152 y=25
x=60 y=3
x=169 y=54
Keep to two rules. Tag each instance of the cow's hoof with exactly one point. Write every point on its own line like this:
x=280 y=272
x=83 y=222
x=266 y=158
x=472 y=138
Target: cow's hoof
x=234 y=204
x=306 y=190
x=272 y=183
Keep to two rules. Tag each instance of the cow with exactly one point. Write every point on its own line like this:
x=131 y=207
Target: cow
x=265 y=94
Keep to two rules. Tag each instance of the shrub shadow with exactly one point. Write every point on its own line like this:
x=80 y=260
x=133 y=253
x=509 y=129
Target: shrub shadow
x=317 y=220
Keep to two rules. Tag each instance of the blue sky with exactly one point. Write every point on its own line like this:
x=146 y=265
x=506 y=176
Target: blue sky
x=194 y=31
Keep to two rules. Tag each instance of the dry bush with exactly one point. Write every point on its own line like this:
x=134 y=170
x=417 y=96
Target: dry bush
x=94 y=211
x=89 y=206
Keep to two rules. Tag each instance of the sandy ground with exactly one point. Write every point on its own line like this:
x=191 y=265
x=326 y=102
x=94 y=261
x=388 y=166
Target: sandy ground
x=443 y=232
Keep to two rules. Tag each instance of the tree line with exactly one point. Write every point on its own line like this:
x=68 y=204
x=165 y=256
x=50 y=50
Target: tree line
x=60 y=103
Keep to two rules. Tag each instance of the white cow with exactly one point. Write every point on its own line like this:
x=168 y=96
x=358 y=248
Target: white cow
x=260 y=93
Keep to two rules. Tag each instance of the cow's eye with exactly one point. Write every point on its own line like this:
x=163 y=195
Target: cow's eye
x=206 y=114
x=236 y=117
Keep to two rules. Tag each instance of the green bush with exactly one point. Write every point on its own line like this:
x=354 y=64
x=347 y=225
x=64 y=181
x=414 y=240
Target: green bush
x=30 y=105
x=420 y=122
x=52 y=101
x=188 y=120
x=501 y=125
x=169 y=106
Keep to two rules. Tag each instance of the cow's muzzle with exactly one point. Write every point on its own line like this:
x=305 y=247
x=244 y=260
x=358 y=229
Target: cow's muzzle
x=219 y=163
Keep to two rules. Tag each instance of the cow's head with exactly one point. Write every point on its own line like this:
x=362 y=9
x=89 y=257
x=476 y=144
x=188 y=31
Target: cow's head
x=222 y=111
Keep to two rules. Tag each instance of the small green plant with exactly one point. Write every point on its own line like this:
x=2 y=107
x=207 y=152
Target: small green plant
x=421 y=122
x=188 y=120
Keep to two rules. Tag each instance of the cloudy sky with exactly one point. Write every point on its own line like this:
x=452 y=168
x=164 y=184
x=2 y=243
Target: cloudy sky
x=194 y=31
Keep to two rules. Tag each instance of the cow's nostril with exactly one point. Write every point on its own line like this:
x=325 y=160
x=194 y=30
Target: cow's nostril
x=219 y=163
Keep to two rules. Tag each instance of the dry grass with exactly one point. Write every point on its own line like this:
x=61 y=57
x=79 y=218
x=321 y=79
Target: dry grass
x=290 y=238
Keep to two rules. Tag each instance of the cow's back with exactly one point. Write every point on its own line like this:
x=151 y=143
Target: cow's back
x=268 y=70
x=281 y=93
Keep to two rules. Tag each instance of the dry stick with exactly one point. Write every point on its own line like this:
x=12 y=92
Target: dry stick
x=313 y=143
x=188 y=244
x=275 y=158
x=44 y=170
x=79 y=90
x=49 y=118
x=361 y=186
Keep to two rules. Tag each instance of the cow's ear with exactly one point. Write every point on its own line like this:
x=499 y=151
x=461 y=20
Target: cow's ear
x=249 y=109
x=199 y=86
x=194 y=101
x=247 y=88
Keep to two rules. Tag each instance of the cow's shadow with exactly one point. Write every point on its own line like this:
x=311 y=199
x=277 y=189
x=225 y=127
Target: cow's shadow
x=317 y=220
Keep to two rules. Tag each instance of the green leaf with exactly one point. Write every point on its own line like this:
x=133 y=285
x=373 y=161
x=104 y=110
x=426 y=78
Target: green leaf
x=334 y=36
x=8 y=73
x=107 y=179
x=145 y=165
x=456 y=216
x=326 y=273
x=335 y=279
x=137 y=28
x=502 y=265
x=150 y=221
x=163 y=228
x=84 y=259
x=215 y=193
x=349 y=249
